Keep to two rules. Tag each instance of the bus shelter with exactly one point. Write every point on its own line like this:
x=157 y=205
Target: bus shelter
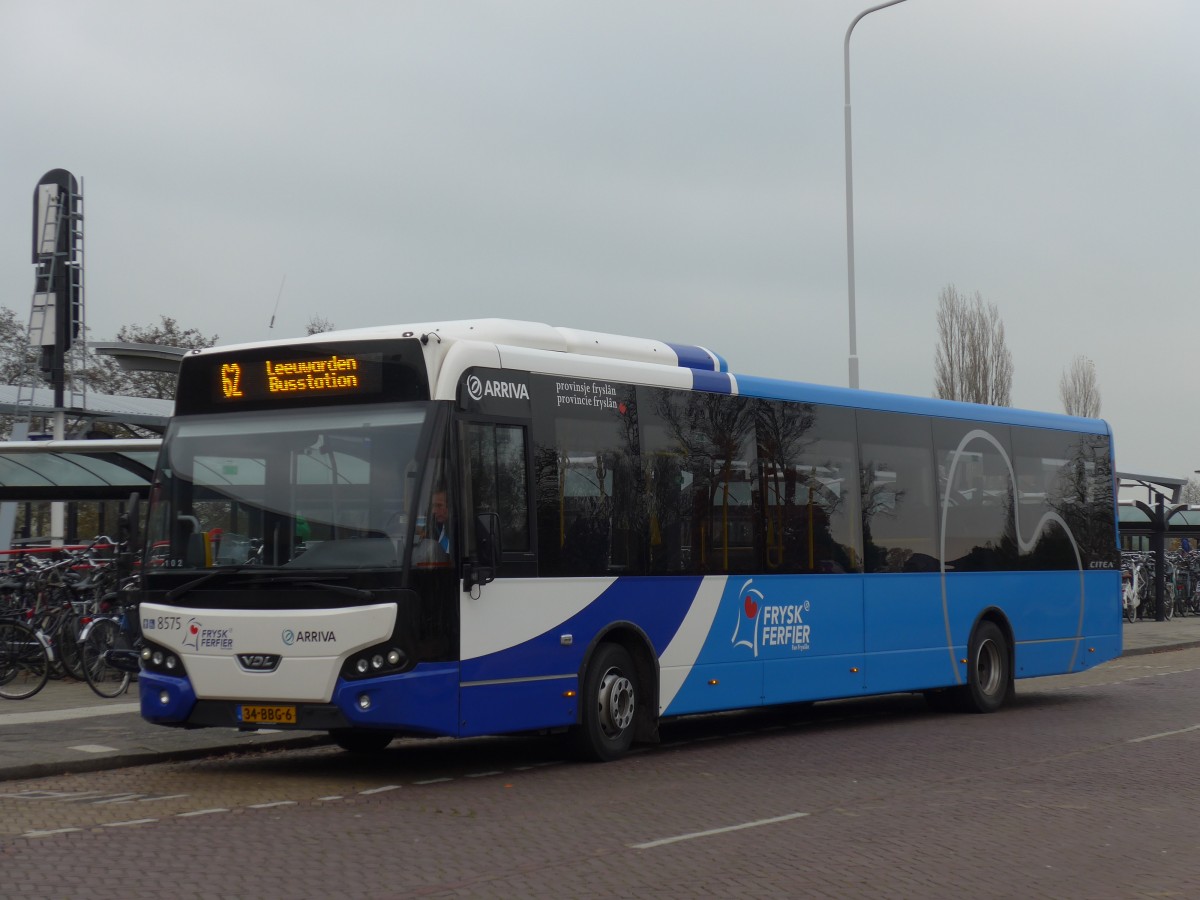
x=33 y=472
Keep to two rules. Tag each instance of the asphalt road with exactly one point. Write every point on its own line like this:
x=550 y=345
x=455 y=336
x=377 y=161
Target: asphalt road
x=1084 y=787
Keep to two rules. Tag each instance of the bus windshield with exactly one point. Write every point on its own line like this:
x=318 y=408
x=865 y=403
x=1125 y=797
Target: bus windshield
x=321 y=488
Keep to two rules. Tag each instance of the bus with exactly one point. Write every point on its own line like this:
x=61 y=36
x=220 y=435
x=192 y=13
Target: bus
x=496 y=527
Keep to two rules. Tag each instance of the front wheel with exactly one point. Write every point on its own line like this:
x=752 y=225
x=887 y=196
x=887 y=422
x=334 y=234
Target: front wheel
x=106 y=680
x=609 y=702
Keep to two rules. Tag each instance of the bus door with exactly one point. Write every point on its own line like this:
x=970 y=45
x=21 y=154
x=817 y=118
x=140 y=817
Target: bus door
x=508 y=679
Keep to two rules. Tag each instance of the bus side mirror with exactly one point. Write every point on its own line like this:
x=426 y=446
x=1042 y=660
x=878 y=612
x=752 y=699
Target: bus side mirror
x=481 y=569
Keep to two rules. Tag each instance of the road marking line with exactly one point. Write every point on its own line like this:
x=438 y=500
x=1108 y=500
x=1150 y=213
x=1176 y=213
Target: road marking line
x=164 y=797
x=35 y=834
x=648 y=845
x=117 y=798
x=432 y=781
x=93 y=748
x=269 y=805
x=331 y=797
x=1163 y=734
x=62 y=715
x=199 y=812
x=483 y=774
x=380 y=790
x=130 y=822
x=61 y=796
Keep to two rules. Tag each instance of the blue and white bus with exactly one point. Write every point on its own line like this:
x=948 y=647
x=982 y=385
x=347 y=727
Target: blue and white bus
x=490 y=527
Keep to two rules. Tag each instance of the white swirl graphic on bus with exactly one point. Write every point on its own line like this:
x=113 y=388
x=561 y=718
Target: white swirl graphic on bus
x=1025 y=544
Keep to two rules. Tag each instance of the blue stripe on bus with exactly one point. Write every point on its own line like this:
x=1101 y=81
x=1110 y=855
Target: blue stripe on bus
x=775 y=389
x=656 y=605
x=713 y=382
x=691 y=357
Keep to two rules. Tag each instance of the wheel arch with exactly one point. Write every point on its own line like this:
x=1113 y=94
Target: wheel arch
x=640 y=648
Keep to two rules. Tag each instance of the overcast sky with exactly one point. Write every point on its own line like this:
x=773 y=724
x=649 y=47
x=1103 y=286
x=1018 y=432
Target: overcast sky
x=667 y=169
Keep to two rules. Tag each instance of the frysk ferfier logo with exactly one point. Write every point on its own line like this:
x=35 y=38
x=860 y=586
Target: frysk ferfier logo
x=761 y=623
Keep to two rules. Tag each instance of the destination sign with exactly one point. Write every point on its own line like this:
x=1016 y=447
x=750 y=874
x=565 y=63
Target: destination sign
x=237 y=380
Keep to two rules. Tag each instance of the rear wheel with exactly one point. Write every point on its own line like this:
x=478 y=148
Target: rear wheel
x=24 y=662
x=989 y=672
x=989 y=675
x=106 y=680
x=609 y=702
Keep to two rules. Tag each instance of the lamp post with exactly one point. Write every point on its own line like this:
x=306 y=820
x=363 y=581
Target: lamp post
x=850 y=197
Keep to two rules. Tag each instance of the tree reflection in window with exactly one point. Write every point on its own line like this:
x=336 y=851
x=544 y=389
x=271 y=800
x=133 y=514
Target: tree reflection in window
x=807 y=476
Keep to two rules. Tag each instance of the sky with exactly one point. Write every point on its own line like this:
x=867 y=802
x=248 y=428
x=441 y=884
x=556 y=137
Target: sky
x=672 y=170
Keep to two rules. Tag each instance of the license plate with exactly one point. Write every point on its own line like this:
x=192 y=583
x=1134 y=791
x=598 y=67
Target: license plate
x=267 y=715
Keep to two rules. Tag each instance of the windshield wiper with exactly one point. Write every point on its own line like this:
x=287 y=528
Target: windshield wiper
x=308 y=581
x=299 y=580
x=177 y=592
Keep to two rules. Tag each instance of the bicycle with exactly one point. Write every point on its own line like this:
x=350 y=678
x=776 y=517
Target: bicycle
x=110 y=649
x=25 y=660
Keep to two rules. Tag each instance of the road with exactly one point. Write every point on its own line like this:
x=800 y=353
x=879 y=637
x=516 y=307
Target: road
x=1085 y=786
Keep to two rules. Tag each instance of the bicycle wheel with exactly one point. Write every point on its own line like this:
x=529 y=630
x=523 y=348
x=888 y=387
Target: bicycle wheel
x=106 y=680
x=24 y=661
x=66 y=644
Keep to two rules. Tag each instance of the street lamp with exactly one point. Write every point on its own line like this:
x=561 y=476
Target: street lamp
x=850 y=197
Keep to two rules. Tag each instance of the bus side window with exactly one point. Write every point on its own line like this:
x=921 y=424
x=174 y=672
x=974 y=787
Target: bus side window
x=497 y=480
x=896 y=482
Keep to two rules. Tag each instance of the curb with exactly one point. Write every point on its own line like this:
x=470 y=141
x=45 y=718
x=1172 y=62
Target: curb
x=1144 y=651
x=150 y=757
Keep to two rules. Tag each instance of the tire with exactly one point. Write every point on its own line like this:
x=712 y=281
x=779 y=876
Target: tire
x=608 y=706
x=24 y=662
x=67 y=643
x=1168 y=603
x=361 y=740
x=104 y=635
x=989 y=670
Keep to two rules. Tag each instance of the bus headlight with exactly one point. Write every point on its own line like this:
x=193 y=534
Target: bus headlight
x=160 y=659
x=378 y=660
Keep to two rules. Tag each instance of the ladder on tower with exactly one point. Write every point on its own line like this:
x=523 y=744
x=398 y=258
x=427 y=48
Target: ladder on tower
x=60 y=268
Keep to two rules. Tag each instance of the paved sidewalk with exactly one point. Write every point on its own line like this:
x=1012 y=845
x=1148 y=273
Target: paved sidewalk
x=67 y=728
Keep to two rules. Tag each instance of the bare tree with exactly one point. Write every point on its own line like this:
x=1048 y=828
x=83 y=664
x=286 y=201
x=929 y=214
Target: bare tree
x=318 y=324
x=1078 y=389
x=17 y=355
x=1191 y=492
x=111 y=379
x=973 y=362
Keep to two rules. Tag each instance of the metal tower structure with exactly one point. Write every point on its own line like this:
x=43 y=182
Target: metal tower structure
x=56 y=317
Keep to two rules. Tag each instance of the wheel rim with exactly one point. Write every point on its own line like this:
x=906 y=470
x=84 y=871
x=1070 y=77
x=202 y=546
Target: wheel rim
x=616 y=702
x=989 y=669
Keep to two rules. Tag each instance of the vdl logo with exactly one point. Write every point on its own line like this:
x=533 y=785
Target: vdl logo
x=477 y=389
x=770 y=624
